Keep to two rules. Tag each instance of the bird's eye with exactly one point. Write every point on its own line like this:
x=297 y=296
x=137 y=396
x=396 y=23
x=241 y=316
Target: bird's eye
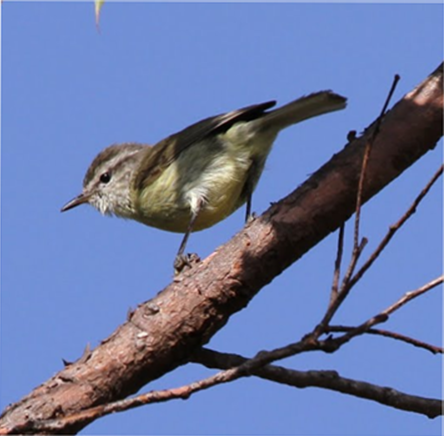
x=105 y=178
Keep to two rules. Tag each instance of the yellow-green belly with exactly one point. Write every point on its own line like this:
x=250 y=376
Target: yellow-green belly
x=214 y=172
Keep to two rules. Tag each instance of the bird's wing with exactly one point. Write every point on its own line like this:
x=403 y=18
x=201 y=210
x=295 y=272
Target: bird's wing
x=161 y=155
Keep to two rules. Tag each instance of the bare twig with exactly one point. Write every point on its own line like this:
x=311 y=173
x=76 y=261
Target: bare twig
x=356 y=253
x=389 y=334
x=413 y=295
x=365 y=159
x=337 y=272
x=395 y=227
x=351 y=268
x=326 y=379
x=384 y=315
x=337 y=296
x=337 y=299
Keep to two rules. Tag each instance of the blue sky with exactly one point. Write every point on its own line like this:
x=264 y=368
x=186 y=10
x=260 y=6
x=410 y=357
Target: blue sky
x=69 y=279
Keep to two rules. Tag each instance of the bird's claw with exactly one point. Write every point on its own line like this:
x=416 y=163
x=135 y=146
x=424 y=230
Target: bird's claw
x=251 y=217
x=185 y=262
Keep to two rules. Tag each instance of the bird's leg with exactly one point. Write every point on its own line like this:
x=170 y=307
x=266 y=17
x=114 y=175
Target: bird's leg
x=185 y=260
x=249 y=188
x=248 y=215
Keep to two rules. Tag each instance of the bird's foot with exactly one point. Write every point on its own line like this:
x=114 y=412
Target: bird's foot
x=251 y=217
x=184 y=262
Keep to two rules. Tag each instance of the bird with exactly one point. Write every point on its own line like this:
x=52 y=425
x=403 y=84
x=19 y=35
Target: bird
x=197 y=177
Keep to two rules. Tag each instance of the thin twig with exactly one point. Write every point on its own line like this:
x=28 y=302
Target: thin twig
x=348 y=282
x=337 y=272
x=390 y=334
x=337 y=296
x=384 y=315
x=413 y=295
x=327 y=379
x=342 y=293
x=365 y=159
x=357 y=251
x=395 y=227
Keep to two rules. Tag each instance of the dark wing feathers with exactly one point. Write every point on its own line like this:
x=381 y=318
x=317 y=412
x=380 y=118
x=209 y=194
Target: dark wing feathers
x=220 y=123
x=157 y=158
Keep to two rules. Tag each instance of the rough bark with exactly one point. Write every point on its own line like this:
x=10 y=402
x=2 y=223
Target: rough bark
x=162 y=333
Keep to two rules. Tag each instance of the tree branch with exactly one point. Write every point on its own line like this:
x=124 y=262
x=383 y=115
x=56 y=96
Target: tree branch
x=338 y=295
x=327 y=379
x=384 y=315
x=390 y=334
x=394 y=228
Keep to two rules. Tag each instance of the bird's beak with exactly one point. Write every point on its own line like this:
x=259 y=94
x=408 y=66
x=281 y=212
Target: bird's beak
x=79 y=200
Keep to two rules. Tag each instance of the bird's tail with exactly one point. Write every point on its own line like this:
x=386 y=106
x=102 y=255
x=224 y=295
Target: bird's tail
x=301 y=109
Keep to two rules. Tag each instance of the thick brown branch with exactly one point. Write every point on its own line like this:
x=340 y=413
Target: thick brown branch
x=163 y=333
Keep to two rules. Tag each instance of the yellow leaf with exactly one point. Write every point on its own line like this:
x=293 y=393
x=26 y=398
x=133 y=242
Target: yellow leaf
x=97 y=6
